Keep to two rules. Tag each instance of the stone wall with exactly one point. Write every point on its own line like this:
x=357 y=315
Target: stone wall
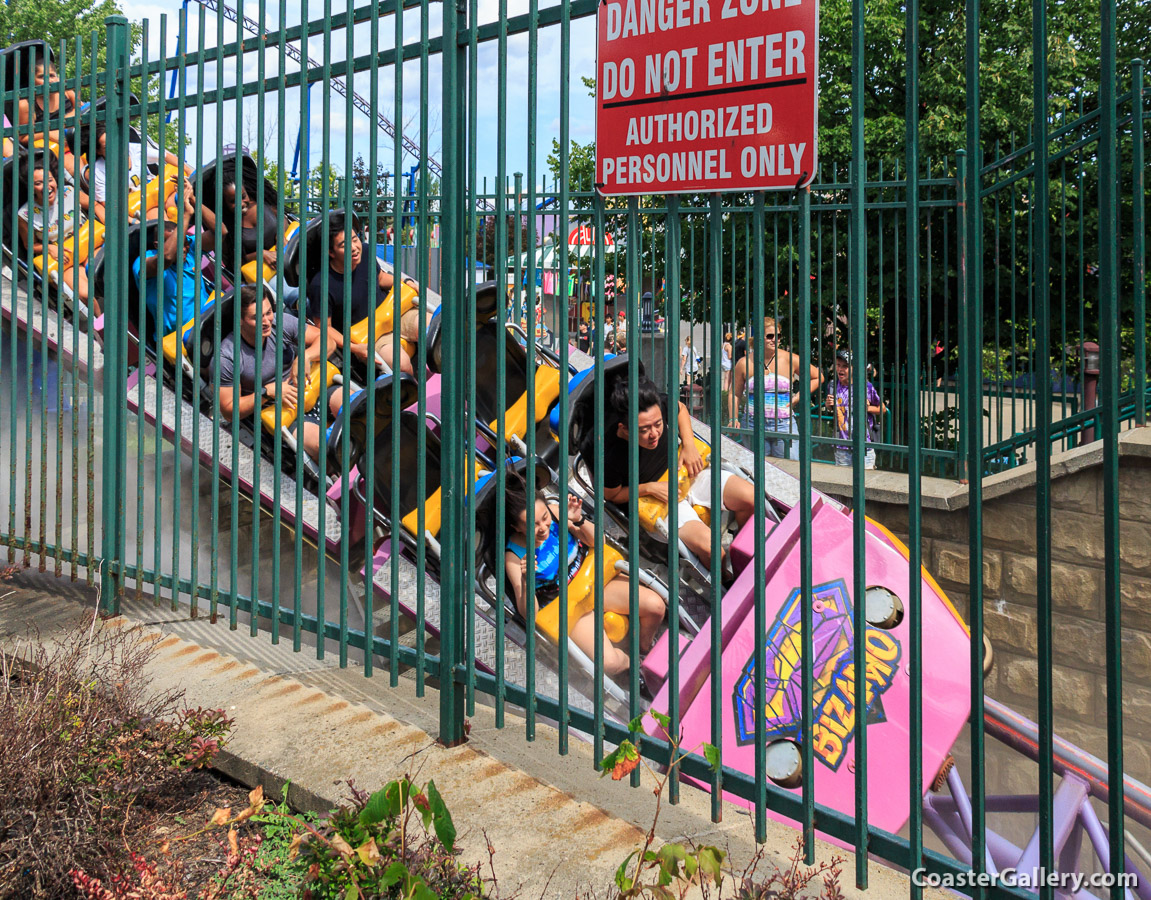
x=1009 y=572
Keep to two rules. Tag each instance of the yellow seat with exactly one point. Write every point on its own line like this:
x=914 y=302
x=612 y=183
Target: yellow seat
x=150 y=196
x=249 y=271
x=651 y=511
x=176 y=338
x=318 y=379
x=48 y=266
x=88 y=238
x=581 y=598
x=433 y=506
x=547 y=392
x=386 y=314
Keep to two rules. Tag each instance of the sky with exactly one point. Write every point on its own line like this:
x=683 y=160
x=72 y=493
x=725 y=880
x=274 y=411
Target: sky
x=358 y=129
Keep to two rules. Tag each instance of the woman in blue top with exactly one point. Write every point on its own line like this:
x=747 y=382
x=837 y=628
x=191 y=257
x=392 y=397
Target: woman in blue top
x=556 y=558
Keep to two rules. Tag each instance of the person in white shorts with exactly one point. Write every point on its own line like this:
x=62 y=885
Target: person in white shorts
x=738 y=496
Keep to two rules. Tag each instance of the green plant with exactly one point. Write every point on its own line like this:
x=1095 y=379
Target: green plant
x=671 y=871
x=284 y=871
x=397 y=842
x=675 y=870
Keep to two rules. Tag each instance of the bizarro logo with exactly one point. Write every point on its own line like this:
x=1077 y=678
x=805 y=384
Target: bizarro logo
x=833 y=675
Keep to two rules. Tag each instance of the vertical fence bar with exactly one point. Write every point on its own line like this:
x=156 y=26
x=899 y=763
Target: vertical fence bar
x=473 y=261
x=914 y=443
x=1040 y=219
x=217 y=201
x=806 y=624
x=972 y=334
x=1109 y=390
x=116 y=292
x=672 y=314
x=635 y=348
x=562 y=223
x=756 y=412
x=350 y=226
x=26 y=80
x=419 y=363
x=857 y=297
x=302 y=191
x=599 y=311
x=76 y=303
x=90 y=443
x=533 y=261
x=397 y=276
x=715 y=274
x=501 y=251
x=36 y=498
x=452 y=586
x=181 y=74
x=197 y=315
x=6 y=188
x=141 y=382
x=370 y=412
x=1139 y=238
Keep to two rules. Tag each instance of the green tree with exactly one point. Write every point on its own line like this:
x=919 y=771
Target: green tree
x=62 y=21
x=486 y=232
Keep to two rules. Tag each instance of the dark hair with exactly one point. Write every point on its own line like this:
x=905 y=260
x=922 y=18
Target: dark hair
x=336 y=228
x=151 y=231
x=250 y=295
x=647 y=395
x=516 y=502
x=32 y=162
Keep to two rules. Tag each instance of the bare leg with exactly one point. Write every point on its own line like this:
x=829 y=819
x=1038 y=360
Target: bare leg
x=337 y=401
x=739 y=498
x=615 y=661
x=697 y=537
x=385 y=348
x=311 y=436
x=617 y=598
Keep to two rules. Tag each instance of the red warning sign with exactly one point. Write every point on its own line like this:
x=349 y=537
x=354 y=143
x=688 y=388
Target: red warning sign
x=706 y=95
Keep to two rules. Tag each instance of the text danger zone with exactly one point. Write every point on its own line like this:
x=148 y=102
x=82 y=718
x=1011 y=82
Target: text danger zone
x=706 y=95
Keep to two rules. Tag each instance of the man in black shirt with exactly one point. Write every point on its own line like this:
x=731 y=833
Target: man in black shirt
x=651 y=436
x=370 y=286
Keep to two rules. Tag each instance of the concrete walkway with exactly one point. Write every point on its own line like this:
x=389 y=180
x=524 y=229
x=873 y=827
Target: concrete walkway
x=557 y=829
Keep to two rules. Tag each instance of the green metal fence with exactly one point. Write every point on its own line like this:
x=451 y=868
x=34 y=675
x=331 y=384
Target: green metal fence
x=970 y=287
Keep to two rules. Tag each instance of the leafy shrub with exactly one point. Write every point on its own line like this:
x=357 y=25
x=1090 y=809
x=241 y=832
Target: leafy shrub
x=396 y=842
x=674 y=871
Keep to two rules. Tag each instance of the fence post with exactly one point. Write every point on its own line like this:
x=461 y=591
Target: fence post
x=453 y=572
x=115 y=320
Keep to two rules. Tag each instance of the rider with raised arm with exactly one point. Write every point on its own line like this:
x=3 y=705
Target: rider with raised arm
x=562 y=557
x=181 y=269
